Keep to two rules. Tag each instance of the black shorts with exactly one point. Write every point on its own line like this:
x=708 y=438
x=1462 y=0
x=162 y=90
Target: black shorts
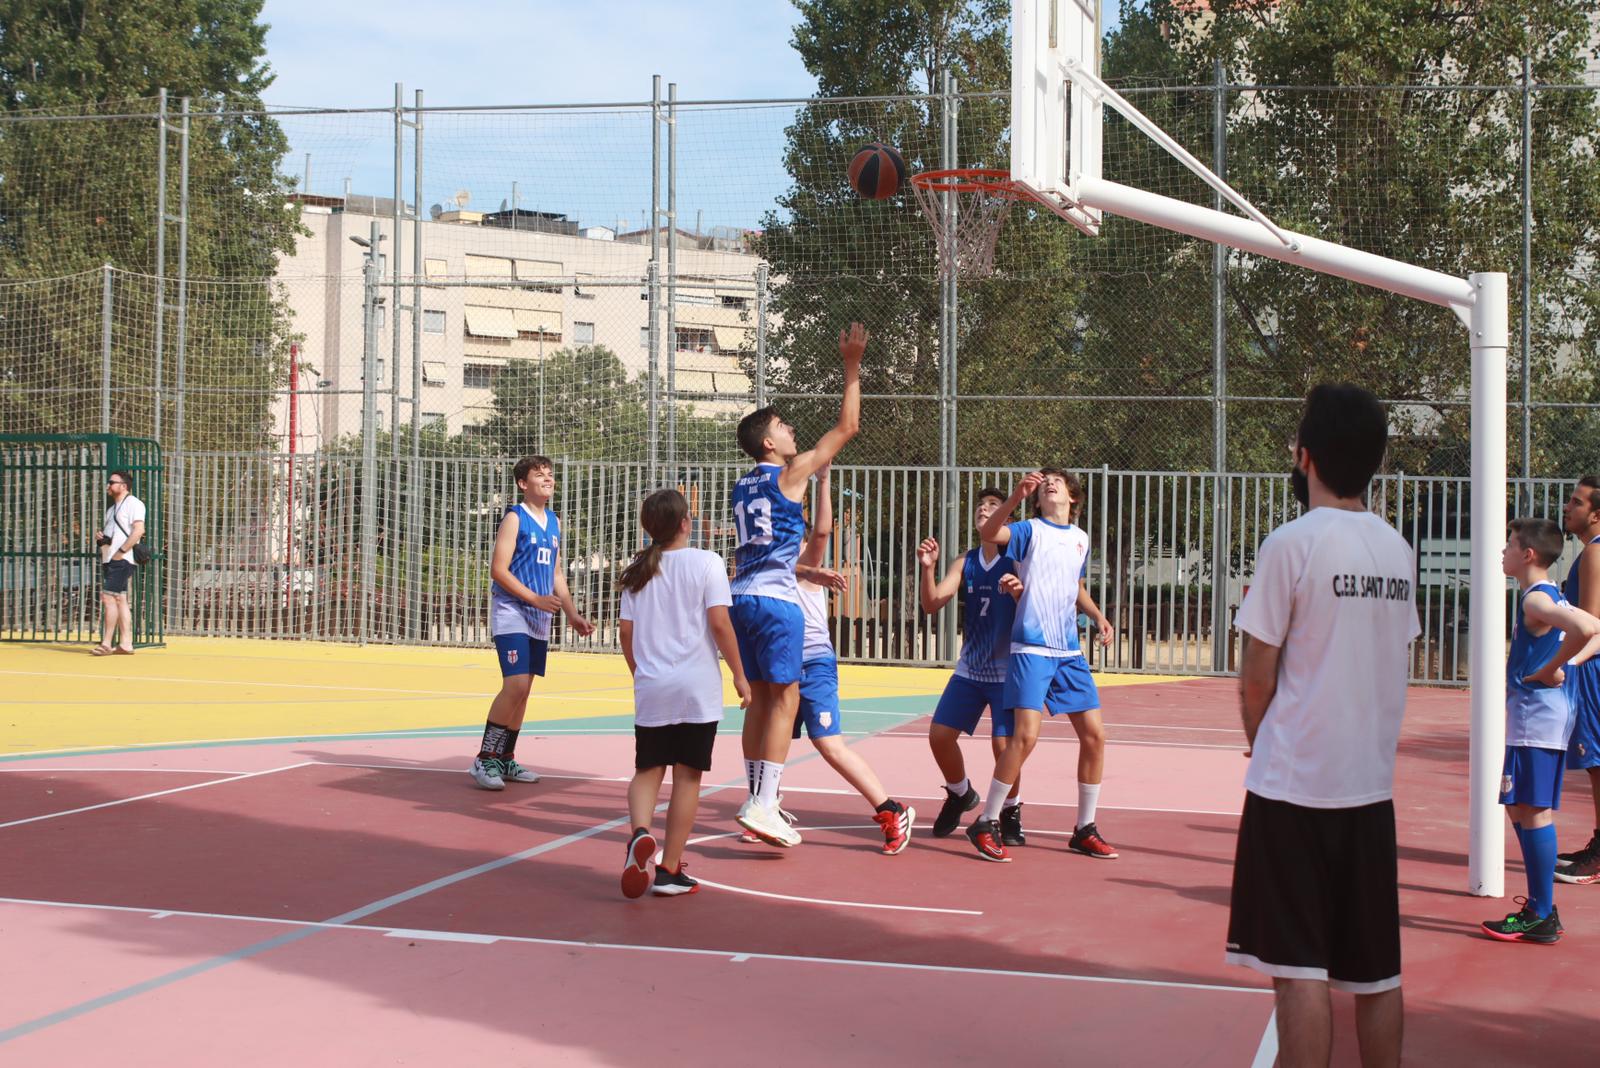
x=115 y=574
x=675 y=743
x=1316 y=894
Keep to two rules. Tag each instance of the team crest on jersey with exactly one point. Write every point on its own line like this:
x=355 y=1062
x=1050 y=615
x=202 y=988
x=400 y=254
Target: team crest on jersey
x=826 y=719
x=511 y=656
x=1505 y=785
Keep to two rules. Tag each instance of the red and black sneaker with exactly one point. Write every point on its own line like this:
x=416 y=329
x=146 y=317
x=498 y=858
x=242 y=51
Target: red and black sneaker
x=1087 y=840
x=641 y=851
x=1583 y=868
x=895 y=820
x=985 y=836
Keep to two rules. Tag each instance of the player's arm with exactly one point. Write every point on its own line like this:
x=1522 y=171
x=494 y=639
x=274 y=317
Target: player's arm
x=1086 y=605
x=827 y=578
x=505 y=544
x=1012 y=584
x=1580 y=635
x=722 y=633
x=1258 y=682
x=816 y=550
x=1588 y=565
x=575 y=618
x=936 y=594
x=852 y=343
x=627 y=646
x=996 y=529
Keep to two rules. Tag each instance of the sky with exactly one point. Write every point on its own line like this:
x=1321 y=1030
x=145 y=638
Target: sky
x=350 y=53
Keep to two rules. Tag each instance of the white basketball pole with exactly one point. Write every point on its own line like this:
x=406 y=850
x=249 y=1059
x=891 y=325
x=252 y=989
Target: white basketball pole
x=1480 y=303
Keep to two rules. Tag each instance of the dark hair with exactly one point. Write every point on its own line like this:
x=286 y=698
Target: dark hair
x=1543 y=536
x=127 y=479
x=753 y=431
x=1592 y=484
x=528 y=464
x=662 y=516
x=1074 y=490
x=1346 y=431
x=990 y=491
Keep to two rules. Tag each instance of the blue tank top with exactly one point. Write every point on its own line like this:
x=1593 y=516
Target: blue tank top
x=769 y=527
x=533 y=561
x=987 y=616
x=1572 y=586
x=1536 y=715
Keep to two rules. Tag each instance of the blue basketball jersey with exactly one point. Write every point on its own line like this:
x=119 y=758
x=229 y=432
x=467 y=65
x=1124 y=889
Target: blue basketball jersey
x=987 y=616
x=770 y=527
x=1572 y=586
x=533 y=563
x=1051 y=559
x=1536 y=715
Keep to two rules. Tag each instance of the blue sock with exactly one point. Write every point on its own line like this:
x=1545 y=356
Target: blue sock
x=1515 y=826
x=1539 y=854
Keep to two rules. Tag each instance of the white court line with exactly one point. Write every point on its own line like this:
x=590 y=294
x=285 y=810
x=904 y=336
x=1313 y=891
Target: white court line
x=99 y=771
x=286 y=739
x=1074 y=741
x=730 y=955
x=474 y=694
x=158 y=793
x=1267 y=1052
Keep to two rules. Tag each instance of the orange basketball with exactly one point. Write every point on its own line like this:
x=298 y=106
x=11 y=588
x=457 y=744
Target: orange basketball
x=877 y=171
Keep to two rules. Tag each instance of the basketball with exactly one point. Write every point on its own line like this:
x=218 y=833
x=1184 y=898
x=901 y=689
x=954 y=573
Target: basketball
x=877 y=171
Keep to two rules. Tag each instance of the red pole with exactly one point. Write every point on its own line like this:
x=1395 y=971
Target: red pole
x=294 y=430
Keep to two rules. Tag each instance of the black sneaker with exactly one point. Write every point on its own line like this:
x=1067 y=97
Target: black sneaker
x=1590 y=850
x=1011 y=826
x=1526 y=926
x=953 y=809
x=673 y=883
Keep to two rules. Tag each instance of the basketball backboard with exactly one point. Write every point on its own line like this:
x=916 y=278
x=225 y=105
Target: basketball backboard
x=1055 y=122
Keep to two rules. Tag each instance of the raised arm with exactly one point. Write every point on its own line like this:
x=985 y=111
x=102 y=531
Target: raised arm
x=852 y=343
x=816 y=550
x=994 y=530
x=935 y=595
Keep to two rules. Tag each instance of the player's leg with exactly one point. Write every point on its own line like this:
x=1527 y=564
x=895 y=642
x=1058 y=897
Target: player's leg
x=692 y=747
x=984 y=833
x=109 y=612
x=1380 y=1028
x=643 y=791
x=516 y=679
x=1531 y=791
x=511 y=771
x=680 y=815
x=1583 y=865
x=1001 y=727
x=1073 y=693
x=959 y=709
x=1305 y=1023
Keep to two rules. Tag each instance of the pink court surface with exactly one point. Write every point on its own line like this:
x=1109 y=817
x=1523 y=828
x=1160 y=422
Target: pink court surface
x=263 y=854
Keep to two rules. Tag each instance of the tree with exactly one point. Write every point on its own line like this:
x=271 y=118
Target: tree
x=80 y=192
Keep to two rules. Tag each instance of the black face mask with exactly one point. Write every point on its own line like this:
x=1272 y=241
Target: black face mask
x=1301 y=487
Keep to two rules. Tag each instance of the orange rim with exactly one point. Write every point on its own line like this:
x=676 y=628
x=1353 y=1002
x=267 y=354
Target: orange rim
x=968 y=180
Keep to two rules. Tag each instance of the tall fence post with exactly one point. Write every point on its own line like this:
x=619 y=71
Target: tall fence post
x=672 y=279
x=653 y=277
x=1220 y=532
x=160 y=272
x=948 y=351
x=761 y=335
x=414 y=490
x=174 y=520
x=1526 y=493
x=371 y=280
x=105 y=349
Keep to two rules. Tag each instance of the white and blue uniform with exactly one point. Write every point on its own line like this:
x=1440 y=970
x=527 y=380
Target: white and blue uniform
x=1048 y=671
x=1583 y=687
x=1538 y=717
x=819 y=671
x=979 y=682
x=521 y=631
x=766 y=598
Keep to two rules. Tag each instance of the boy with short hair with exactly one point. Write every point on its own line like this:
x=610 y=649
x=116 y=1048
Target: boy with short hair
x=1547 y=633
x=766 y=598
x=1581 y=516
x=1047 y=671
x=979 y=679
x=527 y=587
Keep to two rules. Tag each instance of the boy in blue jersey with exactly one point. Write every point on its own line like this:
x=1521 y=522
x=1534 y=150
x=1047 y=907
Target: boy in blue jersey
x=1547 y=634
x=1581 y=516
x=1047 y=671
x=527 y=587
x=766 y=600
x=980 y=674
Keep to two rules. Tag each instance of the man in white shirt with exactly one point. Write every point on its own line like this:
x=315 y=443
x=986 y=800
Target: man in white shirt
x=1328 y=622
x=123 y=529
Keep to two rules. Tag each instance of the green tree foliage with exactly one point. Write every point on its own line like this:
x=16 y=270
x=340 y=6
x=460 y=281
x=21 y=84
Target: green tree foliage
x=81 y=192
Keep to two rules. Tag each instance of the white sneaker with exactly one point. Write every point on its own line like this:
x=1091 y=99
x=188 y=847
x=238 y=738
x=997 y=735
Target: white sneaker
x=486 y=773
x=788 y=817
x=511 y=771
x=766 y=824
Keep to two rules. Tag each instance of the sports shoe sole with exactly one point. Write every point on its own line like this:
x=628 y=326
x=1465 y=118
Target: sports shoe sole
x=1578 y=880
x=1498 y=937
x=765 y=835
x=486 y=784
x=532 y=777
x=636 y=876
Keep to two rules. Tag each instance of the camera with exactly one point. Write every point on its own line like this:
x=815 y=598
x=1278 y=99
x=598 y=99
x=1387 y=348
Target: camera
x=102 y=538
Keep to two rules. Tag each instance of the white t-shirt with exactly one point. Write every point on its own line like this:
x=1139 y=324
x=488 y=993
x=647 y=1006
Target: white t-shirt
x=1336 y=591
x=818 y=642
x=127 y=512
x=677 y=678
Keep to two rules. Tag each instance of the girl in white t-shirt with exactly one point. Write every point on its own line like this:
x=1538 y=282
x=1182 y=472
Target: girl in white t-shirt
x=674 y=622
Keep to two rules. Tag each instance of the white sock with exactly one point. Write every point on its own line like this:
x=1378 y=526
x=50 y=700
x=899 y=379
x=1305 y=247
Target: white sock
x=1088 y=798
x=1013 y=802
x=767 y=778
x=997 y=797
x=750 y=774
x=959 y=789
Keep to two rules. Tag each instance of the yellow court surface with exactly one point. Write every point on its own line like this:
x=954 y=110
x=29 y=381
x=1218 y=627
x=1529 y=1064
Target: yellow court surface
x=60 y=698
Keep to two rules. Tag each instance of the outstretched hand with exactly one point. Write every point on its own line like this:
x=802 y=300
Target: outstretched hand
x=1030 y=482
x=928 y=552
x=1013 y=585
x=852 y=343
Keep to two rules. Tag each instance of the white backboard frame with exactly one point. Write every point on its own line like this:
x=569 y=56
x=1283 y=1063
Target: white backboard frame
x=1056 y=122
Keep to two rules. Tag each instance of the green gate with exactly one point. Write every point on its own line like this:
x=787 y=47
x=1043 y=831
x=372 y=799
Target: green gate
x=52 y=504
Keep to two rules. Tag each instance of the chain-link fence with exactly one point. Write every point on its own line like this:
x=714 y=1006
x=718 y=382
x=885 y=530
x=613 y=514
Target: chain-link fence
x=339 y=324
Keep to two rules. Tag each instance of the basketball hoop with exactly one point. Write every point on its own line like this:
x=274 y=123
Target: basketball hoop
x=966 y=208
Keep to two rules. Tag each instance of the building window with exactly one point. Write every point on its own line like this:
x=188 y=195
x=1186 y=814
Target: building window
x=583 y=333
x=380 y=373
x=644 y=337
x=433 y=322
x=380 y=316
x=433 y=372
x=735 y=302
x=694 y=339
x=478 y=376
x=432 y=418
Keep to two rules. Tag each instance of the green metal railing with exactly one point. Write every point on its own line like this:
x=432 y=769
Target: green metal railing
x=52 y=505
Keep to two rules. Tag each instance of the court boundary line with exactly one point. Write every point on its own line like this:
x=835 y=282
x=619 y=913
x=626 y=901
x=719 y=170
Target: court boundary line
x=733 y=956
x=157 y=793
x=1267 y=1051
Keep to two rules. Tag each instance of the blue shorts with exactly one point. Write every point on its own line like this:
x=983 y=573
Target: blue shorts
x=771 y=634
x=819 y=699
x=1532 y=777
x=1583 y=689
x=963 y=701
x=1050 y=684
x=520 y=655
